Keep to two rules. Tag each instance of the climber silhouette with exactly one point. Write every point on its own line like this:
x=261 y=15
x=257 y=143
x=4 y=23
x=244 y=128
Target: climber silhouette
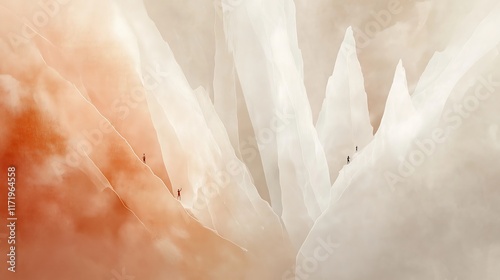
x=348 y=159
x=356 y=148
x=179 y=193
x=144 y=157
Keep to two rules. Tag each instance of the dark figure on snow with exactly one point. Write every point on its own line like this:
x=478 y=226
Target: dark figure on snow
x=348 y=159
x=356 y=148
x=144 y=157
x=179 y=193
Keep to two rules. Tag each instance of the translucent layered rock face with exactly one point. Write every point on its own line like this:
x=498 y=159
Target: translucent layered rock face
x=344 y=123
x=447 y=68
x=413 y=202
x=263 y=40
x=127 y=168
x=217 y=187
x=87 y=197
x=110 y=90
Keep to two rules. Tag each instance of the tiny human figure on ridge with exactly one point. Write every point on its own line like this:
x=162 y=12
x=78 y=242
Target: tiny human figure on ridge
x=179 y=193
x=348 y=159
x=144 y=157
